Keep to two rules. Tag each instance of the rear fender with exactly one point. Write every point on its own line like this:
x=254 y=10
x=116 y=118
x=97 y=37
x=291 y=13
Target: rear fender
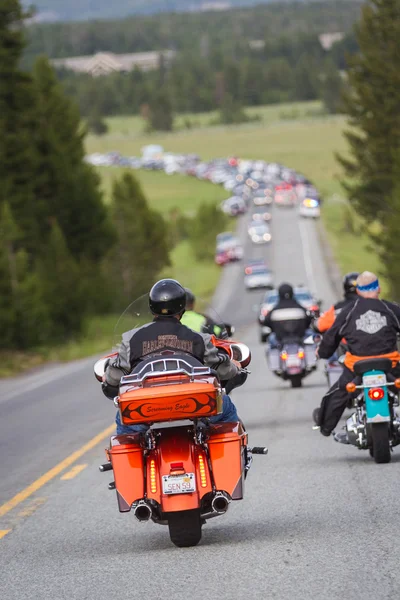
x=176 y=445
x=378 y=411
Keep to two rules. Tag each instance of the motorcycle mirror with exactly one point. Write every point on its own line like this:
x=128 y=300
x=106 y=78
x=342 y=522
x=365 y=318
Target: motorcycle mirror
x=230 y=330
x=241 y=353
x=100 y=368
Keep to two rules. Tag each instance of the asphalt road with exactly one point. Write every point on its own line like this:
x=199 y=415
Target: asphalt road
x=319 y=520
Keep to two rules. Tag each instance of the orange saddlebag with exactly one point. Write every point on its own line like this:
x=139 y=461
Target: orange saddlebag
x=226 y=449
x=165 y=399
x=127 y=460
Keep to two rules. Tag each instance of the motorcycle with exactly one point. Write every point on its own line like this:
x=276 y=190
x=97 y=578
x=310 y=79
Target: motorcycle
x=183 y=470
x=293 y=360
x=375 y=425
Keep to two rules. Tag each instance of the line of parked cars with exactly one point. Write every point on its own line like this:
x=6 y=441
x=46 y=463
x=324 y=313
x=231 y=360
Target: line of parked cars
x=254 y=186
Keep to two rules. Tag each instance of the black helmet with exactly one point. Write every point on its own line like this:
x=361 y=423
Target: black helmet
x=285 y=291
x=190 y=297
x=167 y=298
x=350 y=283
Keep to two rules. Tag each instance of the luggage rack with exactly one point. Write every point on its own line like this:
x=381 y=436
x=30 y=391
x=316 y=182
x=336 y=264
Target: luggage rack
x=166 y=366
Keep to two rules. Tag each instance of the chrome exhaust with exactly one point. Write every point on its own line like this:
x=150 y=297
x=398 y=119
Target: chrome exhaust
x=220 y=503
x=142 y=511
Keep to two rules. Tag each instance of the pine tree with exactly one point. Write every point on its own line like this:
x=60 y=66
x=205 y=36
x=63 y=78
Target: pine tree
x=372 y=103
x=142 y=249
x=161 y=114
x=61 y=289
x=331 y=88
x=17 y=123
x=209 y=221
x=66 y=187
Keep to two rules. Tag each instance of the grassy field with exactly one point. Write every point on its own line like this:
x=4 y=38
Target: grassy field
x=297 y=135
x=165 y=192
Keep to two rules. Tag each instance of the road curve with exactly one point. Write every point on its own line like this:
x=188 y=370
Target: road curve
x=318 y=519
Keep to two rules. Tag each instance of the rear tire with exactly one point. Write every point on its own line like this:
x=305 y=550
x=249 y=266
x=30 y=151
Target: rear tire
x=296 y=381
x=185 y=528
x=380 y=443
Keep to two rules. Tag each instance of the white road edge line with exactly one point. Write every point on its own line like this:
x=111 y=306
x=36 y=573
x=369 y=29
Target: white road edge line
x=307 y=257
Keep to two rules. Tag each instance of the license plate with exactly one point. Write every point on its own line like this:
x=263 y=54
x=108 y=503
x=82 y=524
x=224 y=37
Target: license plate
x=374 y=380
x=179 y=484
x=293 y=361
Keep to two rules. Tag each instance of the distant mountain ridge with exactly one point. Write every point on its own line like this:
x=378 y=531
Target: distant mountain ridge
x=79 y=10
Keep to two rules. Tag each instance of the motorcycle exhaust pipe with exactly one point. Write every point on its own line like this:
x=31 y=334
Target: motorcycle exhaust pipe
x=220 y=503
x=142 y=511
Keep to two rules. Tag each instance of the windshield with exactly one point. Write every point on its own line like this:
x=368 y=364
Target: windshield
x=257 y=270
x=138 y=314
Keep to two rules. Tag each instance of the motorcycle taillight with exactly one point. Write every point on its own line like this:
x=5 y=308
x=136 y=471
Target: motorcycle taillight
x=376 y=393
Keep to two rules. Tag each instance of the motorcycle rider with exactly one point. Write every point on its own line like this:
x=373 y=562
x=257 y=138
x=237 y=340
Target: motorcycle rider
x=197 y=321
x=327 y=319
x=370 y=326
x=167 y=301
x=288 y=319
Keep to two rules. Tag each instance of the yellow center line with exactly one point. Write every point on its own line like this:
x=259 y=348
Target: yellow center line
x=4 y=532
x=73 y=472
x=36 y=485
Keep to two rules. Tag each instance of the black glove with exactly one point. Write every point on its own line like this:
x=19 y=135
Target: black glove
x=236 y=381
x=109 y=390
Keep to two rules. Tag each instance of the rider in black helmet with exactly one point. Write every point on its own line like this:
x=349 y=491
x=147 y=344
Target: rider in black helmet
x=288 y=319
x=167 y=301
x=326 y=320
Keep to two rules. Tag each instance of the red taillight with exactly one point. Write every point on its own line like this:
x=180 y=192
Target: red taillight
x=300 y=354
x=177 y=468
x=264 y=312
x=248 y=270
x=284 y=355
x=376 y=394
x=316 y=307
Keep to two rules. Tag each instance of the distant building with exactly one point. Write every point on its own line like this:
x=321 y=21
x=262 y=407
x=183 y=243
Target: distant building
x=205 y=6
x=104 y=63
x=257 y=44
x=328 y=39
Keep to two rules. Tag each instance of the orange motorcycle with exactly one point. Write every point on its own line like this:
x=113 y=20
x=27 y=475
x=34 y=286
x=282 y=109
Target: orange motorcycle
x=183 y=470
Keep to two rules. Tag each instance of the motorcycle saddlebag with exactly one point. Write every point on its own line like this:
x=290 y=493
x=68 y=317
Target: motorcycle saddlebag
x=311 y=359
x=273 y=359
x=226 y=446
x=170 y=399
x=126 y=456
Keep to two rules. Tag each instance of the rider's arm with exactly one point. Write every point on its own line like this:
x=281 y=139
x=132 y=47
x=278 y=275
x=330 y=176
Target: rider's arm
x=334 y=335
x=395 y=309
x=121 y=365
x=326 y=320
x=218 y=360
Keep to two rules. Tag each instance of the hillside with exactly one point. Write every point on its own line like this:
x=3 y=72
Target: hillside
x=67 y=10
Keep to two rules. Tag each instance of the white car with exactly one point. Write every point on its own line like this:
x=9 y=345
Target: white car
x=259 y=232
x=309 y=207
x=257 y=276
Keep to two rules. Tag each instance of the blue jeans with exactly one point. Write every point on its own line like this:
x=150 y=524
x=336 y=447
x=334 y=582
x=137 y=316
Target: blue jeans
x=228 y=415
